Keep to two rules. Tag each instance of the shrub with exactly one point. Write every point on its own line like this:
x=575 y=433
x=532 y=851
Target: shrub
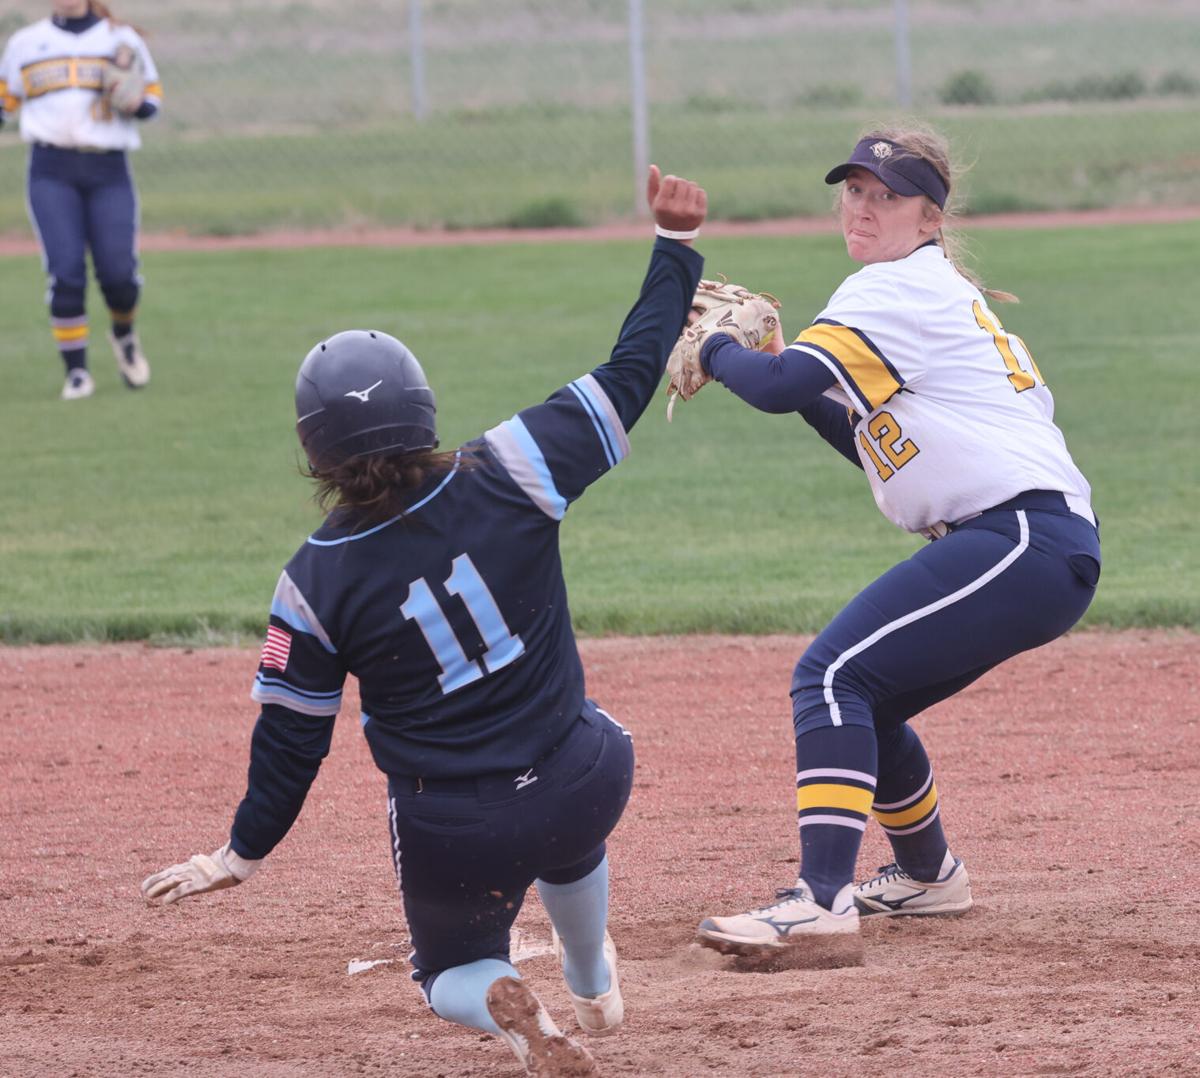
x=555 y=212
x=1178 y=82
x=830 y=96
x=1121 y=86
x=968 y=87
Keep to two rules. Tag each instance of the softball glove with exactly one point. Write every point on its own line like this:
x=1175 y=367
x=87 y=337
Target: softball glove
x=718 y=307
x=125 y=81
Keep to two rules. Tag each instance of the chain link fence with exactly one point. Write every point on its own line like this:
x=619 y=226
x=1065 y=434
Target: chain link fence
x=524 y=113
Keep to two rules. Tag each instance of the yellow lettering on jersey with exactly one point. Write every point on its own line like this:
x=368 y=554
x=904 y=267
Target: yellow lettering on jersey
x=899 y=450
x=873 y=378
x=63 y=73
x=885 y=473
x=1020 y=342
x=1020 y=378
x=886 y=431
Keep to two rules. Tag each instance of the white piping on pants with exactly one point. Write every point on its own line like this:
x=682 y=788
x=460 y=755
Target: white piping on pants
x=835 y=713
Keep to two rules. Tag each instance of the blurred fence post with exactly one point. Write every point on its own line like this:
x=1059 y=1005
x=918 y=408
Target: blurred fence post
x=416 y=48
x=637 y=95
x=903 y=55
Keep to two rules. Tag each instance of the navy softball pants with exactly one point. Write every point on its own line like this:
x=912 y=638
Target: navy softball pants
x=81 y=201
x=1013 y=578
x=467 y=850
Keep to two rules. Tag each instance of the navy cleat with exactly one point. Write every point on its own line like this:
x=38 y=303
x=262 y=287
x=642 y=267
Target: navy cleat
x=894 y=893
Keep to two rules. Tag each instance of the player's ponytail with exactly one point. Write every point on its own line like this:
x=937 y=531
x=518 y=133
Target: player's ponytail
x=930 y=146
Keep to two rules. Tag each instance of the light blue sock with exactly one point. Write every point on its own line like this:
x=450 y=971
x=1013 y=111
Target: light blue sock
x=459 y=994
x=579 y=911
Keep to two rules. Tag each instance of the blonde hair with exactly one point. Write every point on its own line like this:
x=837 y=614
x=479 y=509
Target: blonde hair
x=927 y=144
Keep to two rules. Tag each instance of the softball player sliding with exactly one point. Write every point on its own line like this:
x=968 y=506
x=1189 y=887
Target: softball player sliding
x=80 y=189
x=909 y=374
x=436 y=581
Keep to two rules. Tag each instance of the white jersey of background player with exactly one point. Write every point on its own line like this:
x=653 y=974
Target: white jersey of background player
x=56 y=77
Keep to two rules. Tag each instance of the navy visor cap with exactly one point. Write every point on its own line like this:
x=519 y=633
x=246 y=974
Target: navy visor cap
x=900 y=169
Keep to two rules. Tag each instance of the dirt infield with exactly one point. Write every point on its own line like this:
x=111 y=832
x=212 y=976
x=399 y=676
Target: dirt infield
x=1070 y=781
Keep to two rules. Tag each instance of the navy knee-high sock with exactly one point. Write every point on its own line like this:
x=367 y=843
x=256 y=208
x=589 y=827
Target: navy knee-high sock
x=835 y=785
x=906 y=804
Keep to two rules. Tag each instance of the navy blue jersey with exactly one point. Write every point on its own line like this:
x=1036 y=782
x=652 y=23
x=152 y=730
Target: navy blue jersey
x=454 y=616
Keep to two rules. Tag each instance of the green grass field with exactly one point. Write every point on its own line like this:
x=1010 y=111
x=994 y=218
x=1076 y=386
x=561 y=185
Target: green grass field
x=168 y=514
x=299 y=113
x=574 y=168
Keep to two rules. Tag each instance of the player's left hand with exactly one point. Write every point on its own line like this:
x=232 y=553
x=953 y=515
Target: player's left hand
x=198 y=875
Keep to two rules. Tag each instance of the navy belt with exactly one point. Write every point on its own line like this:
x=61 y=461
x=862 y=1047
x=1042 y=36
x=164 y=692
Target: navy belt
x=1049 y=501
x=90 y=150
x=1045 y=500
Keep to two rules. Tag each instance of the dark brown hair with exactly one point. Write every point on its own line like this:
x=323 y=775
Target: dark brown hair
x=379 y=487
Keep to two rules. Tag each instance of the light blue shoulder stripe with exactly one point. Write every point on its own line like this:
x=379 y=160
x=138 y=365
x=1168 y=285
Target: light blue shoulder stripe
x=290 y=607
x=388 y=523
x=604 y=418
x=523 y=459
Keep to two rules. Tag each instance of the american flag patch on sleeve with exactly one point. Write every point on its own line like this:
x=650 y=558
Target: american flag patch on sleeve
x=276 y=648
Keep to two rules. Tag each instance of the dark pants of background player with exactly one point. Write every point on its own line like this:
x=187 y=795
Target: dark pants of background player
x=467 y=850
x=959 y=606
x=84 y=200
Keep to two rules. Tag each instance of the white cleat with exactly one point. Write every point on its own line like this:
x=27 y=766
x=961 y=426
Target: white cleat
x=131 y=360
x=894 y=893
x=532 y=1035
x=597 y=1015
x=78 y=385
x=795 y=932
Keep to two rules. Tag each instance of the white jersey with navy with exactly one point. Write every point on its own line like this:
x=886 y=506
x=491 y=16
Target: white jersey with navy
x=951 y=414
x=55 y=75
x=454 y=616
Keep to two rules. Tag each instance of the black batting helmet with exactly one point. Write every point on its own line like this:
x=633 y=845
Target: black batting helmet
x=361 y=393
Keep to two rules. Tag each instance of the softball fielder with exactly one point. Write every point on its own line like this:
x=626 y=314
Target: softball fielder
x=80 y=189
x=436 y=581
x=910 y=375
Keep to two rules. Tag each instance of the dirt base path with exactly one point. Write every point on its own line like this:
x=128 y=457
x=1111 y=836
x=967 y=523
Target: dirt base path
x=1069 y=780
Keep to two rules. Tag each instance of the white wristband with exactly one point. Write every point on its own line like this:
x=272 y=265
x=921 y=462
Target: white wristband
x=670 y=234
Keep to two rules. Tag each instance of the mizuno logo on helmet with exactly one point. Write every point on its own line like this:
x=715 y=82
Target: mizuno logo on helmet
x=364 y=394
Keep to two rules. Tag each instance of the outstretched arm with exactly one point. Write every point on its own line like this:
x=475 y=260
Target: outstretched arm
x=555 y=449
x=299 y=685
x=633 y=371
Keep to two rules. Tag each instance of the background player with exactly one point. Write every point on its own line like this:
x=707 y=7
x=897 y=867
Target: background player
x=80 y=189
x=909 y=374
x=436 y=581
